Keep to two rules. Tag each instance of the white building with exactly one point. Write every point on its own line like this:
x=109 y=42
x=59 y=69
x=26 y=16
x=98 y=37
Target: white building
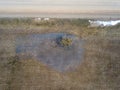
x=46 y=19
x=104 y=23
x=37 y=19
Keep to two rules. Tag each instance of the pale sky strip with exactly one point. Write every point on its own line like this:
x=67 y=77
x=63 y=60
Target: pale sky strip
x=58 y=5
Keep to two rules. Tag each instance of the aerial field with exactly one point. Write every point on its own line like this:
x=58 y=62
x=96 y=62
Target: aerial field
x=58 y=54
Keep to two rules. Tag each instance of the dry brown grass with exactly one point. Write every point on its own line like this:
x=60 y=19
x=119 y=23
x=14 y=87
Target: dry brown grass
x=100 y=68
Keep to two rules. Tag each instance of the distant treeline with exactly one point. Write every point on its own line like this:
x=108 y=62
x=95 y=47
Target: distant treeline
x=51 y=22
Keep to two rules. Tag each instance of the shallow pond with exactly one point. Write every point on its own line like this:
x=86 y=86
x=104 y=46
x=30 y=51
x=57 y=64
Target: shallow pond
x=44 y=47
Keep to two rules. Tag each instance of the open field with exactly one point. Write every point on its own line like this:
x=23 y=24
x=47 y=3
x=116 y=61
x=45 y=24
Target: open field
x=99 y=69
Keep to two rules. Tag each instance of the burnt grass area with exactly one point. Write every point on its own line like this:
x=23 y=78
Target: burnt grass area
x=60 y=51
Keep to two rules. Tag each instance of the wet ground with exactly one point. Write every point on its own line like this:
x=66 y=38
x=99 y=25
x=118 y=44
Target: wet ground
x=46 y=49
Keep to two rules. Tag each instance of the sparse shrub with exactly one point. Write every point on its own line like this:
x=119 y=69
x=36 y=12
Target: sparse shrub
x=64 y=41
